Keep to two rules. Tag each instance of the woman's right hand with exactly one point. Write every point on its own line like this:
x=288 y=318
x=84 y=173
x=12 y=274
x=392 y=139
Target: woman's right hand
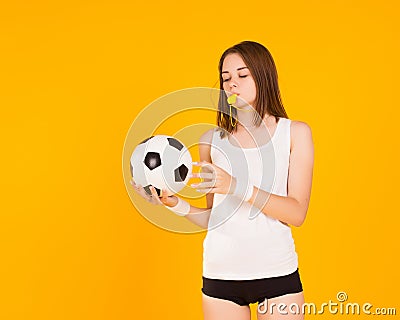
x=154 y=199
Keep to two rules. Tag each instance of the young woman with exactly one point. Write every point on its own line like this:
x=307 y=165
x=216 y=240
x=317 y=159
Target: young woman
x=249 y=253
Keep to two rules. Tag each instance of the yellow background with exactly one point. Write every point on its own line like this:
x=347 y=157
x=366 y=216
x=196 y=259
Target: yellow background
x=75 y=74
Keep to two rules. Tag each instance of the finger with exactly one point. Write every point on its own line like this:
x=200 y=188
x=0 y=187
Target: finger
x=164 y=197
x=150 y=198
x=203 y=185
x=142 y=192
x=154 y=194
x=203 y=175
x=208 y=168
x=201 y=164
x=207 y=190
x=153 y=191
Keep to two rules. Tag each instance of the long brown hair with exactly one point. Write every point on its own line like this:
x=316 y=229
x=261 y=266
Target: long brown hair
x=263 y=70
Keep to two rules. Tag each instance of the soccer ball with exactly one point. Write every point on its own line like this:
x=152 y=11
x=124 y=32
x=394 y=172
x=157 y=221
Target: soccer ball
x=162 y=162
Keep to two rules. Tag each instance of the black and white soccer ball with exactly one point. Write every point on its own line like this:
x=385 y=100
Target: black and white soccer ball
x=162 y=162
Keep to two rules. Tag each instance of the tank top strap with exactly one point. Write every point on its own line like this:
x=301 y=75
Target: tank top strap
x=282 y=135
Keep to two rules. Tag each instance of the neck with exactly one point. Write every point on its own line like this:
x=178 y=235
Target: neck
x=246 y=117
x=245 y=120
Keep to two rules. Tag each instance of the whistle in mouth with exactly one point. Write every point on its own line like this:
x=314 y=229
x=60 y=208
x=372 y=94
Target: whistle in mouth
x=232 y=99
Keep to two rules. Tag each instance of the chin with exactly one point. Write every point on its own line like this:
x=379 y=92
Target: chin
x=242 y=103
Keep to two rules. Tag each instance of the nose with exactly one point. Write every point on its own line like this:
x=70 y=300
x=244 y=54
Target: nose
x=232 y=84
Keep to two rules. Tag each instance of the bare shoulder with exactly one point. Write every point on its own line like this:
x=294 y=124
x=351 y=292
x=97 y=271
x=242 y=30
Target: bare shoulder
x=300 y=133
x=300 y=127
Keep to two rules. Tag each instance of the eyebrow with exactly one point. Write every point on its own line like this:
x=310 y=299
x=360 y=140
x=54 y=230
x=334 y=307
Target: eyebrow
x=236 y=69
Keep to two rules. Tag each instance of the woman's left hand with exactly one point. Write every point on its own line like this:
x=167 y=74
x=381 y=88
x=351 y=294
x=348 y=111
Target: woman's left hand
x=216 y=180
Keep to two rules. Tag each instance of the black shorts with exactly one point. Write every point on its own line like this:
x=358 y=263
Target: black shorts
x=244 y=292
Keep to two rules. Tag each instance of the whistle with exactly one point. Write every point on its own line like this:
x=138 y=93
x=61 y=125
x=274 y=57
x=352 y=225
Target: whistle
x=232 y=99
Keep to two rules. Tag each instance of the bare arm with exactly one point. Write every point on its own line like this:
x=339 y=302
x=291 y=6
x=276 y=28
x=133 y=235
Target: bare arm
x=201 y=216
x=292 y=209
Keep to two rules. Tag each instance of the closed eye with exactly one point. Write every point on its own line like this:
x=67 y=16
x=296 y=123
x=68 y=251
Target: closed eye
x=239 y=77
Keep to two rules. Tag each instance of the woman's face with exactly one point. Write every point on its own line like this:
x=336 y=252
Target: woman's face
x=238 y=80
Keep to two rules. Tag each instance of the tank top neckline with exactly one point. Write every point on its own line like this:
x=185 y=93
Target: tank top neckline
x=262 y=146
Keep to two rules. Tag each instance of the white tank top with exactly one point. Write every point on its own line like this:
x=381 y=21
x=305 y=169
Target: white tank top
x=242 y=243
